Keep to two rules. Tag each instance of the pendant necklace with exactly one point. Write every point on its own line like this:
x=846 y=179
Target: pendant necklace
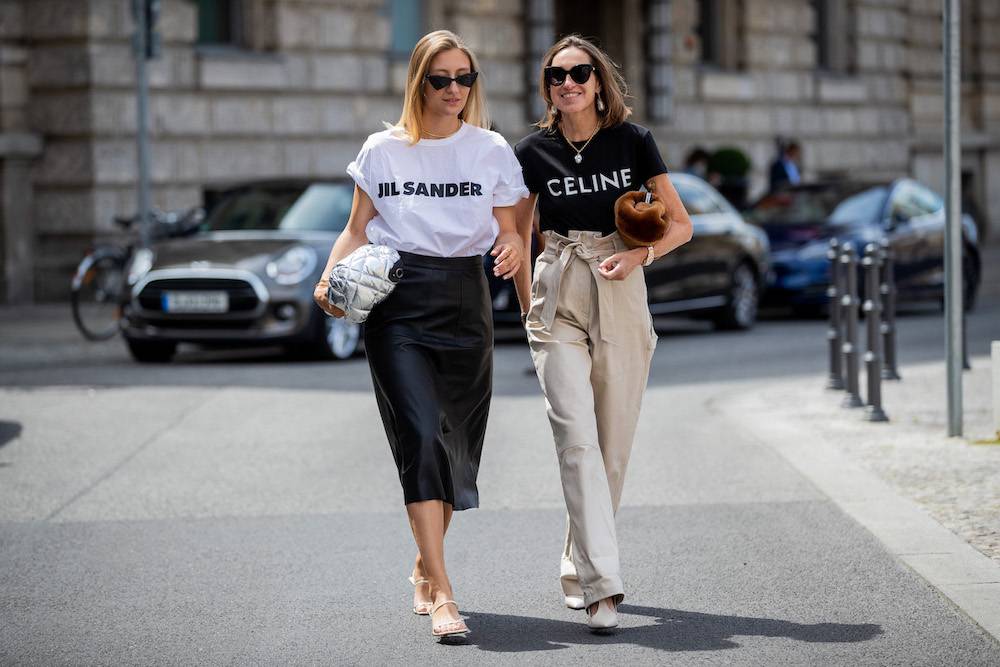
x=578 y=158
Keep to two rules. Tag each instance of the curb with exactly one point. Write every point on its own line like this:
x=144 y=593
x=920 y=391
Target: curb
x=968 y=578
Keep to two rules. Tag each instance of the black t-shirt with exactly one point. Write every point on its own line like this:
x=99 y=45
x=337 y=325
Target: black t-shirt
x=582 y=195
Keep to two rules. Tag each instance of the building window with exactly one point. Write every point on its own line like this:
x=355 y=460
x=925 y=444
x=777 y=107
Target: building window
x=834 y=35
x=969 y=40
x=659 y=75
x=220 y=22
x=406 y=18
x=541 y=16
x=720 y=30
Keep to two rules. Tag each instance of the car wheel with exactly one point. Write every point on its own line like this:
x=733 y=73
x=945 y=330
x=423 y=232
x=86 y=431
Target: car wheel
x=151 y=351
x=740 y=311
x=337 y=338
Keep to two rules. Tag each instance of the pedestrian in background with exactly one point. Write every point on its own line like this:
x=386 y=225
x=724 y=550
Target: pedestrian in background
x=440 y=189
x=696 y=162
x=785 y=168
x=589 y=327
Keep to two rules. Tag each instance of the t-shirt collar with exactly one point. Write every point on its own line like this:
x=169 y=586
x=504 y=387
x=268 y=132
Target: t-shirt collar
x=447 y=140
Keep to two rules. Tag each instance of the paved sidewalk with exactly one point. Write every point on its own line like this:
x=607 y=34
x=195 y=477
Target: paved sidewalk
x=953 y=481
x=242 y=509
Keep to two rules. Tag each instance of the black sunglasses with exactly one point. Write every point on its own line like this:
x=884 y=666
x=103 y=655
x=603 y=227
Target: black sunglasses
x=556 y=76
x=439 y=81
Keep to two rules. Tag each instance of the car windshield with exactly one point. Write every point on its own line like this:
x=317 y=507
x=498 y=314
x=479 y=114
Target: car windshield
x=320 y=207
x=831 y=205
x=697 y=198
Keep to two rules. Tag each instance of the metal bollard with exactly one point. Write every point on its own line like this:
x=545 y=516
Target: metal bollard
x=849 y=300
x=890 y=370
x=833 y=333
x=873 y=317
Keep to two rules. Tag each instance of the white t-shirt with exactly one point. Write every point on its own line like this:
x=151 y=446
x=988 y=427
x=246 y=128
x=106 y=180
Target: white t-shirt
x=436 y=197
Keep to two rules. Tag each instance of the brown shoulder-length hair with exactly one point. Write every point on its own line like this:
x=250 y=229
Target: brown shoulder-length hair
x=431 y=44
x=614 y=90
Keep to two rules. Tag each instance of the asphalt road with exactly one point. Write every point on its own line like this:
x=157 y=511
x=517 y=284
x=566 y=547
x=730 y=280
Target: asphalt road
x=237 y=508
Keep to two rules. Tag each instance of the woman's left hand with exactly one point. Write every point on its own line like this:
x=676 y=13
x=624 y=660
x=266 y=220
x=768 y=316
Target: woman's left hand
x=621 y=264
x=508 y=259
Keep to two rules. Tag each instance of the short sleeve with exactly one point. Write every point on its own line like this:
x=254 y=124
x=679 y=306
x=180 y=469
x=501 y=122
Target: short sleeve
x=523 y=153
x=361 y=169
x=510 y=187
x=649 y=163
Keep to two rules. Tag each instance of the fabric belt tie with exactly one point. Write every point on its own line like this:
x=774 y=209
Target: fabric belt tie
x=592 y=250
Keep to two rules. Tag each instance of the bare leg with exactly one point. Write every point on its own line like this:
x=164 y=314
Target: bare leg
x=422 y=592
x=428 y=523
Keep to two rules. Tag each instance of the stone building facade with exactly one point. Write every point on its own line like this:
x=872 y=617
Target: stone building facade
x=248 y=89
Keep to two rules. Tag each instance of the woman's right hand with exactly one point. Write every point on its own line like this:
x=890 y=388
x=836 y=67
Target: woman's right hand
x=319 y=296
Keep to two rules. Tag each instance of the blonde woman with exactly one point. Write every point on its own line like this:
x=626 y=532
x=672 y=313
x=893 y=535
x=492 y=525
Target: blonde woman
x=439 y=188
x=589 y=326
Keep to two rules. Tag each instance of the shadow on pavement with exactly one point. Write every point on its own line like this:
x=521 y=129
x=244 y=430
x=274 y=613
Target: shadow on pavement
x=9 y=431
x=674 y=630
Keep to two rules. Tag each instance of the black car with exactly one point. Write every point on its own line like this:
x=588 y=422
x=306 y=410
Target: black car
x=246 y=276
x=800 y=221
x=718 y=275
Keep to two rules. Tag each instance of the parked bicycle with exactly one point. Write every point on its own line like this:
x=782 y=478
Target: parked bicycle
x=100 y=287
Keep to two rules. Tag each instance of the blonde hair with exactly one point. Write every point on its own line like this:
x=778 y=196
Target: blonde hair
x=613 y=87
x=430 y=45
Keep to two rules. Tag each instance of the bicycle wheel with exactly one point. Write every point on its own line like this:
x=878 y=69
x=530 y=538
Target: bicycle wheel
x=97 y=294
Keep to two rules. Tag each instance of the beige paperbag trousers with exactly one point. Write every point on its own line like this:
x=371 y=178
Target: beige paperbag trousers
x=591 y=340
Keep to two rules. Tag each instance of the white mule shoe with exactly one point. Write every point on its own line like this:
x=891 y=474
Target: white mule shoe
x=605 y=617
x=572 y=592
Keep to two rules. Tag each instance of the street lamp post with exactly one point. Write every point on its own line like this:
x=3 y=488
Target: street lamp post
x=145 y=45
x=953 y=225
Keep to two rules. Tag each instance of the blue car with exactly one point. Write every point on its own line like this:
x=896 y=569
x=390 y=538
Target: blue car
x=800 y=221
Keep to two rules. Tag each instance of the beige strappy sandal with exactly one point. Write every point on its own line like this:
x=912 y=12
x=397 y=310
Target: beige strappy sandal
x=421 y=608
x=451 y=628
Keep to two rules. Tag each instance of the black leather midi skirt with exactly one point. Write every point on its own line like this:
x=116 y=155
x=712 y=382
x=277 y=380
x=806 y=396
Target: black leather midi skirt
x=430 y=349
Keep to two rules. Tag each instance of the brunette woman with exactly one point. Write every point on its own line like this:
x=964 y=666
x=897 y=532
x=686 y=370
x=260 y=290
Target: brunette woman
x=589 y=326
x=439 y=188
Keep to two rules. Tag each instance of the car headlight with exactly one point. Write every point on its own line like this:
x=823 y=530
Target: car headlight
x=292 y=266
x=142 y=262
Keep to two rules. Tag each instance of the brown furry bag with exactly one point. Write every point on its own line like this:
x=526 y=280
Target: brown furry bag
x=641 y=218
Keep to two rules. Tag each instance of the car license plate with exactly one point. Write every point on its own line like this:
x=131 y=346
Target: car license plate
x=195 y=302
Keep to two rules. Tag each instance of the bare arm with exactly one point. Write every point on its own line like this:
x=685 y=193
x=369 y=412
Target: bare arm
x=508 y=249
x=680 y=222
x=352 y=238
x=620 y=265
x=524 y=211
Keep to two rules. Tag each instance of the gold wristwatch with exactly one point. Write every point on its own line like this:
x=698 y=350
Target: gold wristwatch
x=649 y=256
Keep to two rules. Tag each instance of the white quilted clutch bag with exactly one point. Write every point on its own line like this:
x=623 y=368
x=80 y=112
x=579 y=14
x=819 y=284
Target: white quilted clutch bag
x=360 y=281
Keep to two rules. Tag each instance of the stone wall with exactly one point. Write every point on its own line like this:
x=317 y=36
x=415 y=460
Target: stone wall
x=19 y=149
x=317 y=76
x=855 y=124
